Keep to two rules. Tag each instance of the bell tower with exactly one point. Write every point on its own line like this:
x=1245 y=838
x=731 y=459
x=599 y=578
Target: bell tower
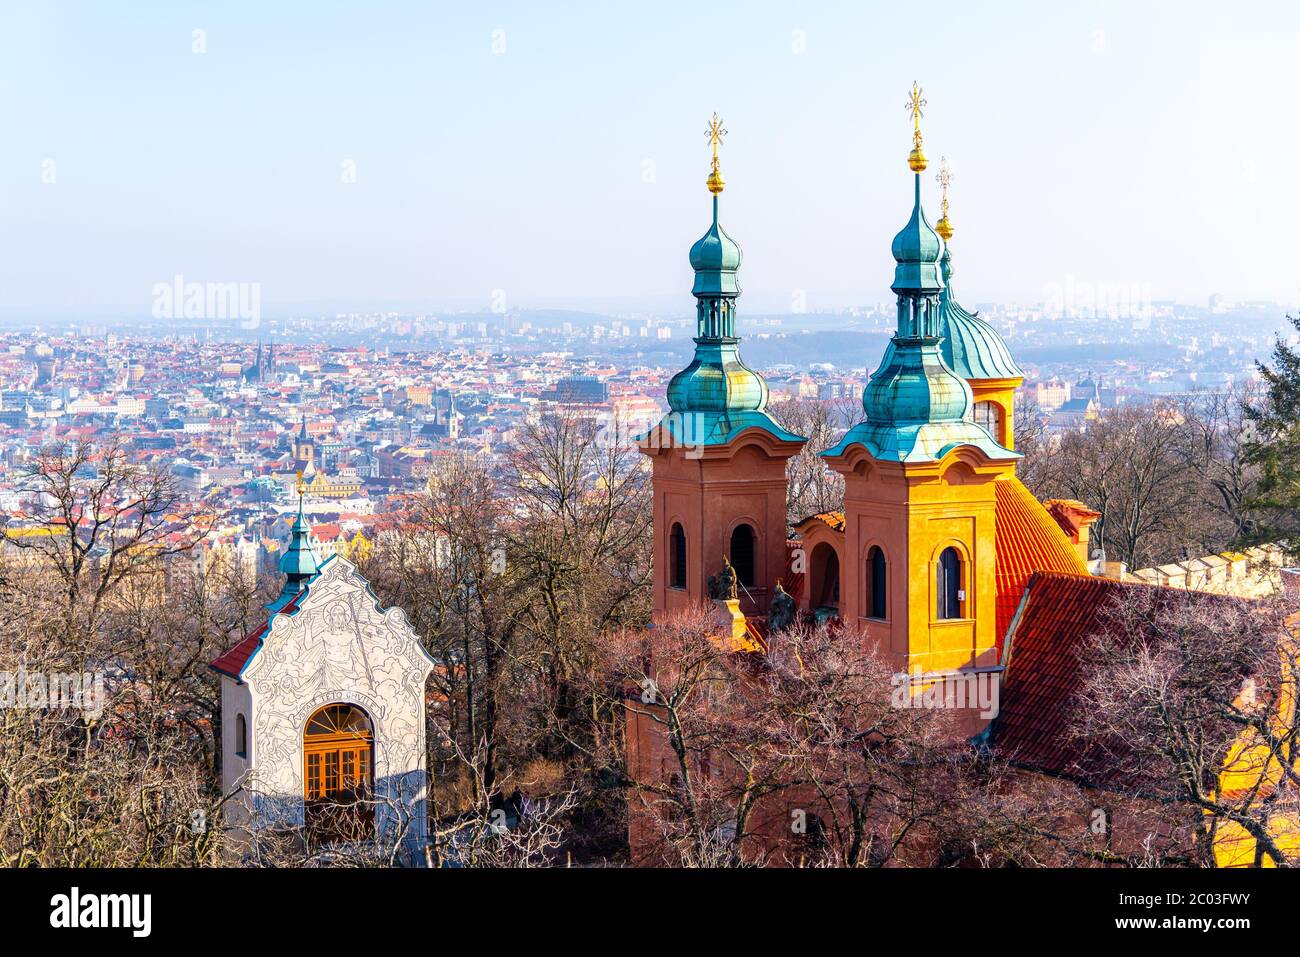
x=919 y=550
x=718 y=458
x=304 y=450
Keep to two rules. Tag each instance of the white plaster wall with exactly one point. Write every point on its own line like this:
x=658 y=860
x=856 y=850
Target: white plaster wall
x=235 y=700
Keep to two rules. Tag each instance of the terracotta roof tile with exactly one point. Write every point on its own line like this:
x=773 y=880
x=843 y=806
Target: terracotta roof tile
x=233 y=661
x=834 y=519
x=1044 y=671
x=1028 y=540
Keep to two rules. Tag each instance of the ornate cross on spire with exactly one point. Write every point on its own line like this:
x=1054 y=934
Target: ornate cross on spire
x=916 y=106
x=944 y=226
x=715 y=133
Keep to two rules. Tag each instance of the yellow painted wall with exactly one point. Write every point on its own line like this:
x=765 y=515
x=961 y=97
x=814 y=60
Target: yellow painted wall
x=913 y=512
x=1003 y=393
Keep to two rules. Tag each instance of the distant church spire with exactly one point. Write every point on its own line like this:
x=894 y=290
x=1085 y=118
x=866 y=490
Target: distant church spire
x=717 y=395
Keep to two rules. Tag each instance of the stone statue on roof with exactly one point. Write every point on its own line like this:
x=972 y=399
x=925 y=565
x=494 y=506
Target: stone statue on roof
x=781 y=611
x=723 y=584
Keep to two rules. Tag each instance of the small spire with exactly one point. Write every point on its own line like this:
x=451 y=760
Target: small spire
x=299 y=562
x=944 y=226
x=916 y=105
x=715 y=133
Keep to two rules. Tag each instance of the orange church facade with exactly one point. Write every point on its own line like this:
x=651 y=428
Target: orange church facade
x=932 y=557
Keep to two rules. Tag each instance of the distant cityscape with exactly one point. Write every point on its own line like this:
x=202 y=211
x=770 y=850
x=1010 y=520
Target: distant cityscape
x=363 y=404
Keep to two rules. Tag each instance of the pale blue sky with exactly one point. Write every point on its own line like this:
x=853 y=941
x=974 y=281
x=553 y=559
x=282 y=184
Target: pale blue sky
x=1112 y=143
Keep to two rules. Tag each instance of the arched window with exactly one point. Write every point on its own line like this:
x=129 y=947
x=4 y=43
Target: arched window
x=241 y=736
x=875 y=593
x=677 y=556
x=742 y=554
x=824 y=577
x=988 y=415
x=339 y=761
x=951 y=594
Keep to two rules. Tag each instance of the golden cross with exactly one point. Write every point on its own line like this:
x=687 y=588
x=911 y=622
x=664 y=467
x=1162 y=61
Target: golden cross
x=916 y=106
x=715 y=133
x=945 y=179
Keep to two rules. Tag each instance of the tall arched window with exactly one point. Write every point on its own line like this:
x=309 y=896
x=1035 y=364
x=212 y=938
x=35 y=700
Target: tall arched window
x=988 y=415
x=876 y=583
x=241 y=736
x=951 y=594
x=677 y=556
x=339 y=761
x=824 y=577
x=742 y=554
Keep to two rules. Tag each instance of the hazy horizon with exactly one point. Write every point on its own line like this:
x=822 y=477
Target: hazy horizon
x=514 y=155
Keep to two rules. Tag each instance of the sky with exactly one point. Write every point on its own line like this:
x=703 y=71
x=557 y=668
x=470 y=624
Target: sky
x=443 y=155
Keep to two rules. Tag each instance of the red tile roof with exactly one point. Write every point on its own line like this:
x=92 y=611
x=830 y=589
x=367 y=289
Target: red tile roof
x=834 y=519
x=1044 y=669
x=1028 y=541
x=233 y=661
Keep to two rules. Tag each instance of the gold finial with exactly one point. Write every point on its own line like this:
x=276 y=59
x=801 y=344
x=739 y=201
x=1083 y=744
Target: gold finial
x=715 y=133
x=944 y=226
x=916 y=105
x=300 y=482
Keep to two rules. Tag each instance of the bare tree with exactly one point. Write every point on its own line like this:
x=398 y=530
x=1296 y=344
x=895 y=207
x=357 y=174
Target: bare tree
x=1035 y=443
x=1189 y=704
x=580 y=543
x=99 y=519
x=1130 y=465
x=125 y=774
x=525 y=828
x=1217 y=434
x=813 y=488
x=705 y=760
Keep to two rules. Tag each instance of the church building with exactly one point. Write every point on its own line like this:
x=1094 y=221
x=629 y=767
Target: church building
x=930 y=558
x=323 y=712
x=941 y=557
x=937 y=539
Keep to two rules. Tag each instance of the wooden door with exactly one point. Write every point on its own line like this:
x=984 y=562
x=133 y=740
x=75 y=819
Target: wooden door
x=338 y=774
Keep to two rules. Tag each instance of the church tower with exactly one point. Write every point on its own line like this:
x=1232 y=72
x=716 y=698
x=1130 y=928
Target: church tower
x=304 y=450
x=719 y=459
x=920 y=477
